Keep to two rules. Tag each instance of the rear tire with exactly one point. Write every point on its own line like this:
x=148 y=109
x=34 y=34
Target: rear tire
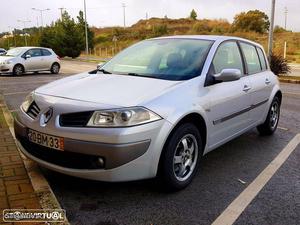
x=271 y=122
x=55 y=68
x=180 y=158
x=18 y=70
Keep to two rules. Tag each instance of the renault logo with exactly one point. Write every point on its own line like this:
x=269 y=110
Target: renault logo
x=46 y=116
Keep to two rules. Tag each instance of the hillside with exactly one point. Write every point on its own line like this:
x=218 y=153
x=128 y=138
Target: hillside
x=155 y=27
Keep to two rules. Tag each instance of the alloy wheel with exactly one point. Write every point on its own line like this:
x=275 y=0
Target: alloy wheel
x=185 y=157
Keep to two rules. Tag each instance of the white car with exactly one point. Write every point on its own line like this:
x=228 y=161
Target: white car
x=29 y=59
x=152 y=111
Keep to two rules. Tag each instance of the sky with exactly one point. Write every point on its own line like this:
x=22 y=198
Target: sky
x=102 y=13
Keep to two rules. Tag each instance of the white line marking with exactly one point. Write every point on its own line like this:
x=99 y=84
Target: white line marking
x=16 y=93
x=234 y=210
x=283 y=128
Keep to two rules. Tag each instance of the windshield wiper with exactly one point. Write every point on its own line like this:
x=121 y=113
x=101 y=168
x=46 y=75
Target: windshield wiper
x=138 y=75
x=104 y=71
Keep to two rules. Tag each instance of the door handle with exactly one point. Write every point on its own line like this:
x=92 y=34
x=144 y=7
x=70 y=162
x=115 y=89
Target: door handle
x=267 y=81
x=246 y=88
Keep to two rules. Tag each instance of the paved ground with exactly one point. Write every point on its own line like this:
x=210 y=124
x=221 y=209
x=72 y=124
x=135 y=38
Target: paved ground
x=16 y=191
x=214 y=188
x=295 y=70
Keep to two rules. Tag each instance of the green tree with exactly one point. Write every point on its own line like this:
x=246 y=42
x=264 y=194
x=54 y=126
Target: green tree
x=64 y=37
x=253 y=20
x=193 y=15
x=81 y=25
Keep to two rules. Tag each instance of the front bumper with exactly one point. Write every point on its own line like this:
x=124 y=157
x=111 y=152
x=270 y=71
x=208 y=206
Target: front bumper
x=124 y=160
x=6 y=68
x=79 y=154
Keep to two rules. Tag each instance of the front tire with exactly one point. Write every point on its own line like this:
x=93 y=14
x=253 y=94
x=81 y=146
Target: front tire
x=55 y=68
x=180 y=157
x=18 y=70
x=270 y=124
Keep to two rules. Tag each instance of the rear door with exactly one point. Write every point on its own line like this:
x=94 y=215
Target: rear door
x=260 y=80
x=47 y=59
x=229 y=101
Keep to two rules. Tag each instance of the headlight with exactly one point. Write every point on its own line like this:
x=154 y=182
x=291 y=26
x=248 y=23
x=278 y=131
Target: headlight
x=6 y=62
x=28 y=100
x=122 y=117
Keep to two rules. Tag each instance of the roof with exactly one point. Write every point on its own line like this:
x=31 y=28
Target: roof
x=208 y=37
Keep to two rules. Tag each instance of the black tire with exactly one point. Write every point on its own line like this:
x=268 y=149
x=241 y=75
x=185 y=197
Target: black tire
x=271 y=122
x=55 y=68
x=18 y=70
x=169 y=176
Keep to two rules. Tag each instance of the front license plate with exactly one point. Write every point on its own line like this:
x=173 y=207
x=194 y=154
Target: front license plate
x=46 y=140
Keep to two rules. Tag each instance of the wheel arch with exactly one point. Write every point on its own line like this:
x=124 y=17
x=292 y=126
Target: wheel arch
x=19 y=64
x=54 y=64
x=195 y=118
x=279 y=95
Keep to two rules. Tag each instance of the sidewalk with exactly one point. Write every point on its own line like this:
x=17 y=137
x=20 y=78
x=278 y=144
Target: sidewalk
x=16 y=190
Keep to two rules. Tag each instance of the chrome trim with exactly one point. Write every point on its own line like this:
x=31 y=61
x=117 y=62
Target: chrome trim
x=223 y=119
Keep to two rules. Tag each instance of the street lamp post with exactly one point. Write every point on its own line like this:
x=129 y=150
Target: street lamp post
x=24 y=25
x=270 y=41
x=41 y=12
x=86 y=32
x=124 y=16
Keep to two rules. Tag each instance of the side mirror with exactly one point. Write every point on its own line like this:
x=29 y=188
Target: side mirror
x=228 y=75
x=27 y=56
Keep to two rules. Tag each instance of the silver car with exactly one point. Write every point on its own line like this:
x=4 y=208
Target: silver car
x=29 y=59
x=2 y=51
x=152 y=111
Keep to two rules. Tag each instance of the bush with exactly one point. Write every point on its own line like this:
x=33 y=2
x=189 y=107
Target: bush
x=279 y=65
x=160 y=30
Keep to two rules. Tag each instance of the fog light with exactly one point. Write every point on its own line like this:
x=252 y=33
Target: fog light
x=100 y=161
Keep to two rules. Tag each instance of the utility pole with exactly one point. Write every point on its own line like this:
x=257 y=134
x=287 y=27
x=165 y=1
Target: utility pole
x=61 y=12
x=24 y=25
x=86 y=32
x=146 y=16
x=270 y=41
x=41 y=12
x=124 y=16
x=285 y=17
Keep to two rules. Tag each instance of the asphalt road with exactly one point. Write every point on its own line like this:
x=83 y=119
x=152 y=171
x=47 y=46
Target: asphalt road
x=223 y=175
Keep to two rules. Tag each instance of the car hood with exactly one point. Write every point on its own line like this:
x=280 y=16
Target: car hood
x=118 y=90
x=3 y=58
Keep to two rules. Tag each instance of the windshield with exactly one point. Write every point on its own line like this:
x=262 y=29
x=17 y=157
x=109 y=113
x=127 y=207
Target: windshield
x=14 y=52
x=171 y=59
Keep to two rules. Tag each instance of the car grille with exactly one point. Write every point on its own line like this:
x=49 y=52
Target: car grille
x=33 y=110
x=65 y=159
x=79 y=119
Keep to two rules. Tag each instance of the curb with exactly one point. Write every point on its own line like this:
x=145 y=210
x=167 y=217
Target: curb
x=39 y=183
x=289 y=81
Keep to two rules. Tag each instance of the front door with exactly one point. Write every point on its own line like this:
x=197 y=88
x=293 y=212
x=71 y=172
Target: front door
x=35 y=61
x=229 y=101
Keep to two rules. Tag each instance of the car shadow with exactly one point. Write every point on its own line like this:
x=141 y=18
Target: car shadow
x=216 y=184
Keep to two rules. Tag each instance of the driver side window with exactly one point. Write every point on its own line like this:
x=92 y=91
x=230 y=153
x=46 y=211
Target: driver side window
x=227 y=57
x=34 y=52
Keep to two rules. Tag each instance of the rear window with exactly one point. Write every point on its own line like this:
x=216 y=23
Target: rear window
x=262 y=59
x=45 y=52
x=252 y=60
